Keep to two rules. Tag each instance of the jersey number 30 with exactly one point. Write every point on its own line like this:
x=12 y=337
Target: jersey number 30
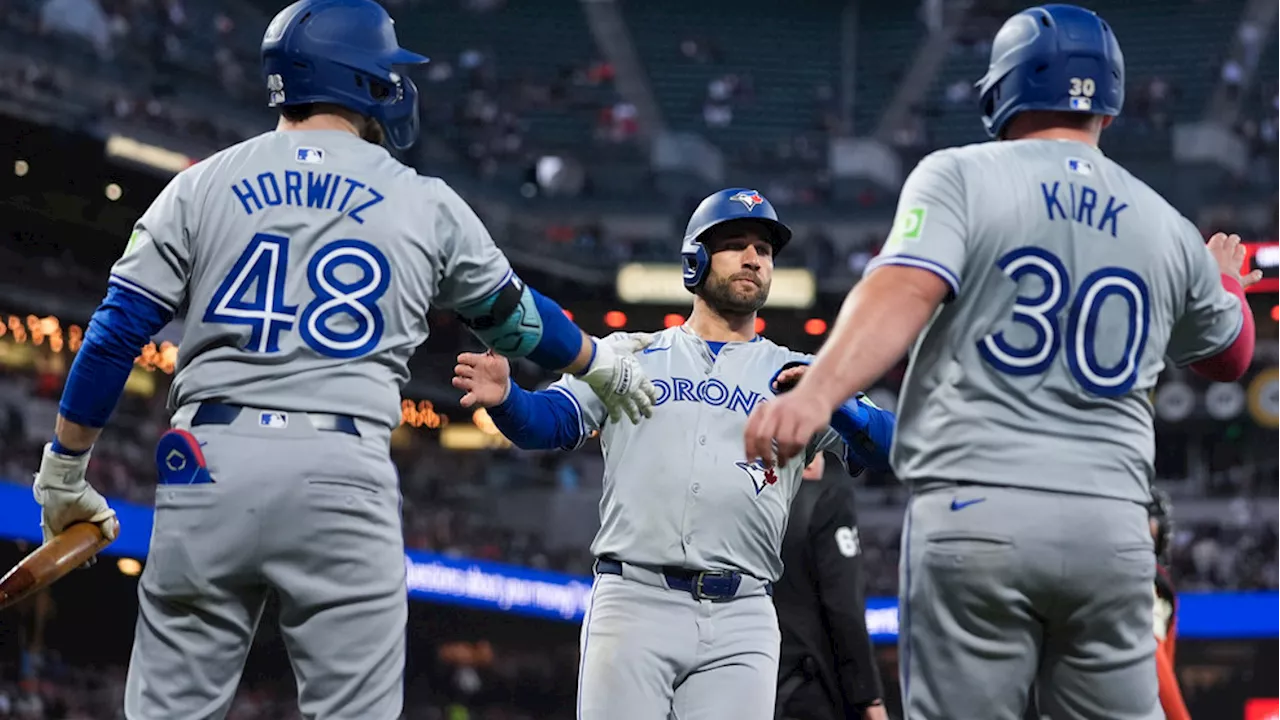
x=1041 y=313
x=253 y=294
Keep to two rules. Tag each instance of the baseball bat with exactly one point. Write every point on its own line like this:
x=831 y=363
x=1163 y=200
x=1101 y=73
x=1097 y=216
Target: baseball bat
x=50 y=562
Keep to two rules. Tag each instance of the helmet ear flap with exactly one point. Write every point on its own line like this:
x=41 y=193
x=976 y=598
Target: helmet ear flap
x=696 y=261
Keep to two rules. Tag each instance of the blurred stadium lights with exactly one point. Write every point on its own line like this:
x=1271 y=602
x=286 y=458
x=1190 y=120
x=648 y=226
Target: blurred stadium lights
x=568 y=314
x=113 y=192
x=129 y=566
x=662 y=284
x=125 y=148
x=421 y=414
x=466 y=436
x=21 y=168
x=760 y=324
x=1275 y=313
x=672 y=319
x=1224 y=401
x=1264 y=398
x=615 y=319
x=815 y=326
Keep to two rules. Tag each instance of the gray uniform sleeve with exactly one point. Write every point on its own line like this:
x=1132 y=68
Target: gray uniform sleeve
x=827 y=440
x=1211 y=317
x=157 y=261
x=930 y=227
x=471 y=265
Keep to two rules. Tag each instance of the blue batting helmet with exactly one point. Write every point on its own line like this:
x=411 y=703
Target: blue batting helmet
x=1052 y=57
x=342 y=52
x=719 y=208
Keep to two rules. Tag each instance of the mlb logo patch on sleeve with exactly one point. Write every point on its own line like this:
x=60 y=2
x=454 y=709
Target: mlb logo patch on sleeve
x=310 y=155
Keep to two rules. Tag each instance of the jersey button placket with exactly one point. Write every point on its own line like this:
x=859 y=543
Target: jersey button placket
x=698 y=470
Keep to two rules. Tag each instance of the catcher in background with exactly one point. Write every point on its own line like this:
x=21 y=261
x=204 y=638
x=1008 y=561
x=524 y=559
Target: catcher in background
x=1166 y=608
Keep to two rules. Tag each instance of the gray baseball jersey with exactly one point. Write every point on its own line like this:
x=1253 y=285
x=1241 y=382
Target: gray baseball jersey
x=1071 y=280
x=307 y=261
x=677 y=489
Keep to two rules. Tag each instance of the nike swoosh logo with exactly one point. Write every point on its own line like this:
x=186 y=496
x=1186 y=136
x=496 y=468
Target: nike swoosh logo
x=646 y=351
x=957 y=504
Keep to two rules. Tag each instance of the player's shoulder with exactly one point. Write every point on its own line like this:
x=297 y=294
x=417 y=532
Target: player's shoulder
x=950 y=166
x=779 y=354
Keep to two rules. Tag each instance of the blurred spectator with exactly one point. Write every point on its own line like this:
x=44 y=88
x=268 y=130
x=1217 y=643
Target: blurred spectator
x=82 y=18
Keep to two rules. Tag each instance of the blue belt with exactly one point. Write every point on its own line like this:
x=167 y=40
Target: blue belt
x=221 y=414
x=713 y=585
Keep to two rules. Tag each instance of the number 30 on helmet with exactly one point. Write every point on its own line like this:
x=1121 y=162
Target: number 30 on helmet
x=1053 y=57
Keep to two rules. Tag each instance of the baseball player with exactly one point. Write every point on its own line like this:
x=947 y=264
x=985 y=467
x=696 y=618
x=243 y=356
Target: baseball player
x=1043 y=287
x=306 y=259
x=680 y=622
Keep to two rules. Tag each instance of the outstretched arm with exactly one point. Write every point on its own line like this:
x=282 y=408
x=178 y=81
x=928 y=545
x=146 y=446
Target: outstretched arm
x=516 y=321
x=865 y=428
x=542 y=420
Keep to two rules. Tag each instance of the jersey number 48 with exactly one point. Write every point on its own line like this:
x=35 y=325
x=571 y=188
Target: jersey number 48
x=253 y=294
x=1042 y=314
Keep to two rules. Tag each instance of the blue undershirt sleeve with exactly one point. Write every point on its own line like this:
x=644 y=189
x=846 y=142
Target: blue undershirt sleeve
x=124 y=322
x=867 y=431
x=541 y=420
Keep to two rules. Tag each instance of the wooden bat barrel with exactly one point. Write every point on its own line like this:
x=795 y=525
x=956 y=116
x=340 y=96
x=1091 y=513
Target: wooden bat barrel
x=50 y=562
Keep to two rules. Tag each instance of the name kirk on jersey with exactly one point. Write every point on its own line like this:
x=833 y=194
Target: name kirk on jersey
x=1080 y=203
x=319 y=191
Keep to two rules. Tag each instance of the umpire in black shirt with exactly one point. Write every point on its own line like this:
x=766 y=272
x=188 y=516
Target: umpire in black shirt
x=826 y=669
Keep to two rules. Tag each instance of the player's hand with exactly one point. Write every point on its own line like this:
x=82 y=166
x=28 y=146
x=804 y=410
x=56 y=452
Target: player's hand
x=65 y=497
x=787 y=379
x=484 y=377
x=616 y=377
x=1229 y=253
x=779 y=429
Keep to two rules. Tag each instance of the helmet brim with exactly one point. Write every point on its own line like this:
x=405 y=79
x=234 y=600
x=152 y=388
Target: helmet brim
x=407 y=57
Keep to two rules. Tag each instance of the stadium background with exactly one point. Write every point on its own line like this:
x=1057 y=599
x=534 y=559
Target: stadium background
x=584 y=132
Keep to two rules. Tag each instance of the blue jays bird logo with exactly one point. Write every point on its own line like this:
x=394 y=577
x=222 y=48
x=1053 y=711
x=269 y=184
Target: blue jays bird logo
x=761 y=475
x=749 y=198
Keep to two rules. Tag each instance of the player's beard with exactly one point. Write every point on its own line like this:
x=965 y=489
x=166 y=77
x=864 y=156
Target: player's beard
x=729 y=298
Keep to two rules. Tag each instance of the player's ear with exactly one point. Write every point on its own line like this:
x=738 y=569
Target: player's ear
x=1106 y=121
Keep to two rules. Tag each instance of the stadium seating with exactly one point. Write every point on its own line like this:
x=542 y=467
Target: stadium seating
x=525 y=42
x=784 y=55
x=888 y=36
x=1147 y=29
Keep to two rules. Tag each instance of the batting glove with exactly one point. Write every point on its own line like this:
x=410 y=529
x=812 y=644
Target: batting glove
x=66 y=498
x=616 y=377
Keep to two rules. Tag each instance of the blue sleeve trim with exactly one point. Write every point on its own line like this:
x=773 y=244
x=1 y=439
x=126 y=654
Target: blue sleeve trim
x=542 y=420
x=561 y=339
x=151 y=295
x=950 y=278
x=583 y=433
x=124 y=322
x=867 y=432
x=57 y=447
